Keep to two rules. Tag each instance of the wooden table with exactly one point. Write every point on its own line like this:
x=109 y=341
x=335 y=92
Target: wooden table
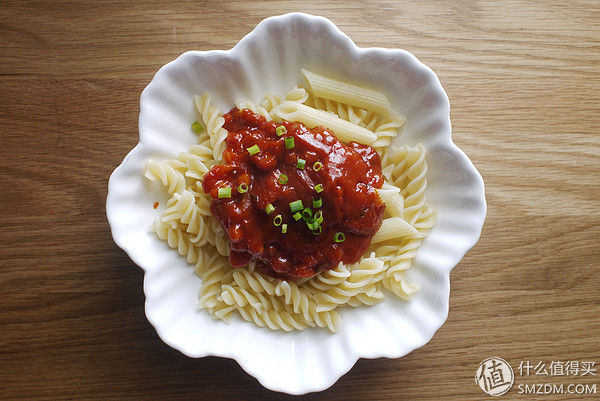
x=524 y=83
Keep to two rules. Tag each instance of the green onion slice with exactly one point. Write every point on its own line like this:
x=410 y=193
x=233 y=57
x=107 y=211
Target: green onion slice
x=296 y=206
x=242 y=188
x=319 y=188
x=312 y=225
x=289 y=142
x=297 y=216
x=307 y=213
x=269 y=209
x=317 y=166
x=317 y=203
x=283 y=179
x=317 y=231
x=339 y=237
x=284 y=228
x=281 y=130
x=253 y=150
x=224 y=192
x=300 y=164
x=318 y=216
x=196 y=127
x=277 y=220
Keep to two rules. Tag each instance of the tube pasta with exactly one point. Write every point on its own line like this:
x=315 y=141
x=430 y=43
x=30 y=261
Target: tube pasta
x=311 y=117
x=343 y=92
x=353 y=114
x=394 y=202
x=394 y=228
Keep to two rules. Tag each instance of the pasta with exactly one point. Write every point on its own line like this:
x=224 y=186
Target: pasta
x=394 y=228
x=165 y=173
x=311 y=117
x=344 y=92
x=187 y=225
x=385 y=127
x=214 y=123
x=387 y=130
x=298 y=95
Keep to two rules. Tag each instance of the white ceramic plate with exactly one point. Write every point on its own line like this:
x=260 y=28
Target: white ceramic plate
x=268 y=60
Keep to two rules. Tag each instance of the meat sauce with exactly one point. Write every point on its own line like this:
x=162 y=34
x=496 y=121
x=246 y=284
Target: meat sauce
x=348 y=177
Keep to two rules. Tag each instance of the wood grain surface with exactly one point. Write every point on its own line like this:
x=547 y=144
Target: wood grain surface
x=523 y=79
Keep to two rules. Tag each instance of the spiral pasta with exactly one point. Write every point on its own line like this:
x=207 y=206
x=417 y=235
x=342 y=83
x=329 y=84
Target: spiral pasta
x=295 y=95
x=167 y=174
x=387 y=130
x=188 y=226
x=258 y=109
x=185 y=210
x=405 y=167
x=214 y=123
x=177 y=239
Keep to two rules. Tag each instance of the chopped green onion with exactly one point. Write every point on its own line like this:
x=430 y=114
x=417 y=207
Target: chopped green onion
x=297 y=216
x=242 y=188
x=317 y=231
x=318 y=216
x=307 y=213
x=319 y=188
x=289 y=142
x=317 y=166
x=281 y=130
x=269 y=209
x=283 y=179
x=277 y=220
x=300 y=164
x=317 y=203
x=224 y=192
x=253 y=150
x=196 y=127
x=296 y=206
x=339 y=237
x=312 y=225
x=284 y=229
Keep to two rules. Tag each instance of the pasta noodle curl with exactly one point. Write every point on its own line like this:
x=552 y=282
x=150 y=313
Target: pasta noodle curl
x=214 y=123
x=165 y=173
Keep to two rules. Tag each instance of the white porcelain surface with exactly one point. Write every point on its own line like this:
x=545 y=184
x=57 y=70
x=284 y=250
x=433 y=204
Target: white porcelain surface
x=268 y=60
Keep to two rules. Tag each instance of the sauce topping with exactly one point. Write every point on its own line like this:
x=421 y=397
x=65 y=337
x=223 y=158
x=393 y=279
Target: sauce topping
x=294 y=200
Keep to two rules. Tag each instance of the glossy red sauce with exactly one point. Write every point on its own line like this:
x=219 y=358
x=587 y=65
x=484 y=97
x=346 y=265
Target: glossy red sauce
x=350 y=203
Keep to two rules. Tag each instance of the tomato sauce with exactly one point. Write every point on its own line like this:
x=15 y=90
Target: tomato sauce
x=347 y=176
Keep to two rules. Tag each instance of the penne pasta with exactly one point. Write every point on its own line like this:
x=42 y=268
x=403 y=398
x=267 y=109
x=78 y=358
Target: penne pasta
x=394 y=201
x=387 y=190
x=394 y=205
x=344 y=130
x=393 y=228
x=343 y=92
